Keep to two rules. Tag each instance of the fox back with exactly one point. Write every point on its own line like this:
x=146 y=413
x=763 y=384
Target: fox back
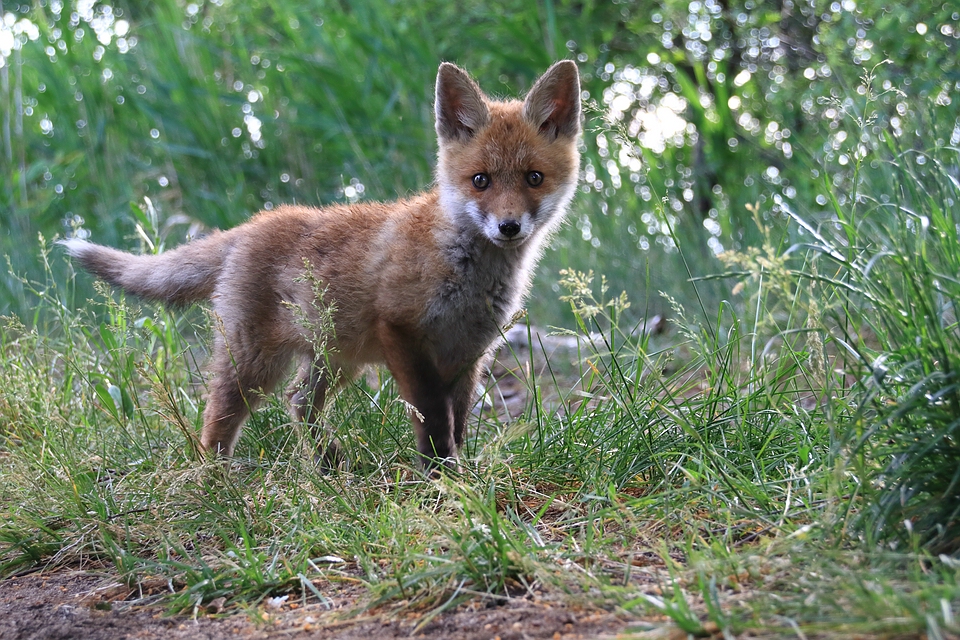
x=422 y=285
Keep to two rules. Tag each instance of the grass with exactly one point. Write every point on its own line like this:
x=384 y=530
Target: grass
x=782 y=462
x=751 y=473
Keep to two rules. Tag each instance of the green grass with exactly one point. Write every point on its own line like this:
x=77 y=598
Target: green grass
x=752 y=472
x=782 y=461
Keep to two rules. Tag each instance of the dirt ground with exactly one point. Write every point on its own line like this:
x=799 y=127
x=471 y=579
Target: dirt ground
x=70 y=604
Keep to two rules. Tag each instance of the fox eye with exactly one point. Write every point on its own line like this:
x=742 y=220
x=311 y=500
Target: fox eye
x=534 y=178
x=481 y=181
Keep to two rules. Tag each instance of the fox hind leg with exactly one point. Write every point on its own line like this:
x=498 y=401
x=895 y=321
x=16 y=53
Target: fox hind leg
x=308 y=396
x=235 y=391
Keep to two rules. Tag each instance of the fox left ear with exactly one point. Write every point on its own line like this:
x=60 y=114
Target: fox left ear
x=553 y=105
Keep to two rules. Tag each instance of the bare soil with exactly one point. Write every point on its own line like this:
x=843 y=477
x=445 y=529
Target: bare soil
x=70 y=604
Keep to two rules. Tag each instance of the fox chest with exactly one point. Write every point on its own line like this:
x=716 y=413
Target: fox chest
x=467 y=314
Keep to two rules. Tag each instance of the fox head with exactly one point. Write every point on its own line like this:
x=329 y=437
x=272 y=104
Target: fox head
x=509 y=169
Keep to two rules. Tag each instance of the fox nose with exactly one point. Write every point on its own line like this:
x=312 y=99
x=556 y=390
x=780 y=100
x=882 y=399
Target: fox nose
x=509 y=228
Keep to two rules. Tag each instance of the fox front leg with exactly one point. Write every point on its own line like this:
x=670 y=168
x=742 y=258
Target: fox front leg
x=432 y=399
x=465 y=395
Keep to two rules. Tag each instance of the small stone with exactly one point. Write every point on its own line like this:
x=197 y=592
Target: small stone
x=216 y=605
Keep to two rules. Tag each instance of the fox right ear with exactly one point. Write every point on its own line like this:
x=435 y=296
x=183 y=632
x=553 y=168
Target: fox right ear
x=460 y=106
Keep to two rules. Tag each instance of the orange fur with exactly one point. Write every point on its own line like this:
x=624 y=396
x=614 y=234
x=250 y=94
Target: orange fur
x=421 y=285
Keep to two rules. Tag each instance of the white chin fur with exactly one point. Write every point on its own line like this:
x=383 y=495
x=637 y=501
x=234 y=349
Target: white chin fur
x=507 y=243
x=489 y=224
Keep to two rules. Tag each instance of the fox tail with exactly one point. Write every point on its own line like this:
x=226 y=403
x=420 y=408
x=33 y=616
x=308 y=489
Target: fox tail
x=179 y=277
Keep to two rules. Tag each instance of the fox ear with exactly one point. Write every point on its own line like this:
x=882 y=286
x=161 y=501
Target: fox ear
x=553 y=105
x=460 y=107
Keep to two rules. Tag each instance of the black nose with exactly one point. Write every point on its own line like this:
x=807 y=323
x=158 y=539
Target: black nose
x=509 y=228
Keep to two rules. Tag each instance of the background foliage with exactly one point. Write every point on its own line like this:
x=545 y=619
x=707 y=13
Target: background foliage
x=786 y=171
x=215 y=110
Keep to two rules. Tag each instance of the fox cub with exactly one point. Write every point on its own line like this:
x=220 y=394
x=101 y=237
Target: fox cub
x=422 y=285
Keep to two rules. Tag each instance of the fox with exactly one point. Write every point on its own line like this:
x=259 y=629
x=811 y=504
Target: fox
x=423 y=285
